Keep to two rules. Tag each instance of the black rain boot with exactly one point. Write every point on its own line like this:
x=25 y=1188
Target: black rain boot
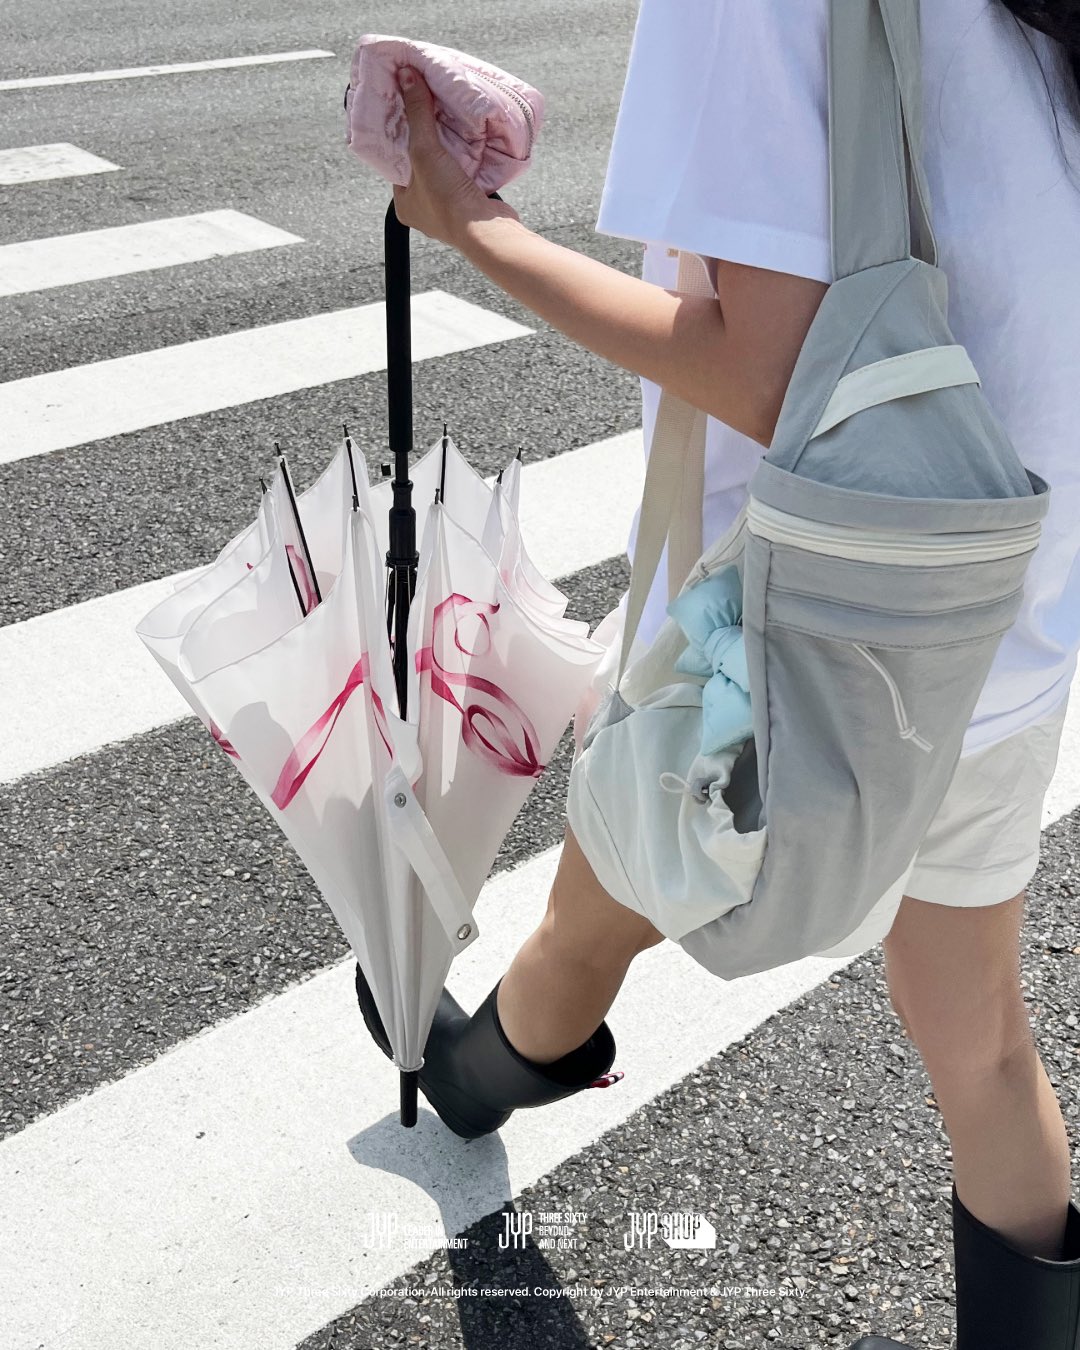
x=1006 y=1300
x=474 y=1078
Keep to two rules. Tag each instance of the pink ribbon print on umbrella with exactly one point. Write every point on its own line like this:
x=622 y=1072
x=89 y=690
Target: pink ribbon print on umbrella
x=506 y=740
x=508 y=743
x=306 y=753
x=220 y=738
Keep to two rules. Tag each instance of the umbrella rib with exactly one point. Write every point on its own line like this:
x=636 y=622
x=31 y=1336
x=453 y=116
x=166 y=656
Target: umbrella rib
x=442 y=481
x=352 y=466
x=300 y=531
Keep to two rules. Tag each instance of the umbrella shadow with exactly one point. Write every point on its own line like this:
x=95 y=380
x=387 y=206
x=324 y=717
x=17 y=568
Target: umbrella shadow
x=466 y=1178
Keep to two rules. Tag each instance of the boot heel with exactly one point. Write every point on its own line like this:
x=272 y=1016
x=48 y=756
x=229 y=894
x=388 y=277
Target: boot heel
x=473 y=1077
x=476 y=1079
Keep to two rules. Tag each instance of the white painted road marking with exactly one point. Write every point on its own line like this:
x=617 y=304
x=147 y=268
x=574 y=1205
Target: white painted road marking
x=220 y=1196
x=35 y=163
x=78 y=678
x=64 y=259
x=139 y=72
x=49 y=665
x=64 y=408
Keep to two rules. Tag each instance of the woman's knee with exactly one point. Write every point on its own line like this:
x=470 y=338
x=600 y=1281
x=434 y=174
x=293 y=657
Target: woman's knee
x=954 y=981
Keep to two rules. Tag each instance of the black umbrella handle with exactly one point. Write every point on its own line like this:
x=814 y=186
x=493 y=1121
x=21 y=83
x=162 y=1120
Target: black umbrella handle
x=398 y=282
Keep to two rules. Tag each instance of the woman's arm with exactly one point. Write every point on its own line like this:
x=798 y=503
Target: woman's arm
x=732 y=357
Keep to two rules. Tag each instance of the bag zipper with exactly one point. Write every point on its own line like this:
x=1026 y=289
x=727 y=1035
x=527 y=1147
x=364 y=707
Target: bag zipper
x=522 y=102
x=886 y=546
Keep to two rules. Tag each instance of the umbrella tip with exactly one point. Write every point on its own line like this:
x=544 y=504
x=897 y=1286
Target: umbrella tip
x=438 y=494
x=518 y=455
x=345 y=429
x=262 y=484
x=499 y=478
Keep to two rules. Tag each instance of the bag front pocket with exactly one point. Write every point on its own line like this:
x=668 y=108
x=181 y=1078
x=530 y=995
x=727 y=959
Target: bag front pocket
x=863 y=742
x=863 y=679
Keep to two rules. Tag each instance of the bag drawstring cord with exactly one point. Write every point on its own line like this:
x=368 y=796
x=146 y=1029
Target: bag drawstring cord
x=907 y=731
x=698 y=789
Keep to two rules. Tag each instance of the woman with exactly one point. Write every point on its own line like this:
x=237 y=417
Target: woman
x=734 y=165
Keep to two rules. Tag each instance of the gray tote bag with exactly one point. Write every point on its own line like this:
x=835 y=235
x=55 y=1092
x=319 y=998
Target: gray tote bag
x=761 y=775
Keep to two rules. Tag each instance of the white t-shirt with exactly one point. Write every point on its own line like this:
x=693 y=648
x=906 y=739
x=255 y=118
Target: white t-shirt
x=721 y=148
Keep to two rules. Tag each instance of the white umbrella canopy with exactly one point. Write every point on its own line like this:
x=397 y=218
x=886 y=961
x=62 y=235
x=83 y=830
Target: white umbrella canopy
x=531 y=587
x=495 y=682
x=262 y=545
x=272 y=532
x=287 y=660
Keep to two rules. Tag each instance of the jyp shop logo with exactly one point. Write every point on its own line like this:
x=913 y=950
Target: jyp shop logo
x=676 y=1229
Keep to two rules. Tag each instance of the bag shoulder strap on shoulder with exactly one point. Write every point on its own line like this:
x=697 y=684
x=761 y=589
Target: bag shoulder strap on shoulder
x=875 y=136
x=875 y=143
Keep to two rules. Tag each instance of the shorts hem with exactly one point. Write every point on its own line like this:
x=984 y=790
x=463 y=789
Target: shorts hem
x=962 y=888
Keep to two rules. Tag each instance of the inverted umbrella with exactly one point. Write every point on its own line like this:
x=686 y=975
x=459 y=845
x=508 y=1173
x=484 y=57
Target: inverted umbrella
x=393 y=740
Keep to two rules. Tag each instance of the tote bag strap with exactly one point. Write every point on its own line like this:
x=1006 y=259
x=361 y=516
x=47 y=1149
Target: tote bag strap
x=875 y=136
x=672 y=500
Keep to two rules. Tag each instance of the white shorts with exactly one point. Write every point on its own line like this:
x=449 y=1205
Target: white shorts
x=982 y=846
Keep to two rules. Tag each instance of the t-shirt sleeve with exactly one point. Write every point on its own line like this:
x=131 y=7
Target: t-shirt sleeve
x=721 y=139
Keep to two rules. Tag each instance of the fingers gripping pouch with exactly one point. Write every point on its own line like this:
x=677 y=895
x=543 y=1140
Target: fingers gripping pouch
x=763 y=773
x=487 y=118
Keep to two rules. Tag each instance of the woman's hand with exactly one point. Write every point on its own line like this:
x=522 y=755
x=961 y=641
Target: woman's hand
x=441 y=198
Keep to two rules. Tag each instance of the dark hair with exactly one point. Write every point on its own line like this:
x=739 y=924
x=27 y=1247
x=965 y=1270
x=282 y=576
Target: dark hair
x=1060 y=20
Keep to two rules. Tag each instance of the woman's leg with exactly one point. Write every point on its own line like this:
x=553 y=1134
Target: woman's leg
x=564 y=979
x=954 y=980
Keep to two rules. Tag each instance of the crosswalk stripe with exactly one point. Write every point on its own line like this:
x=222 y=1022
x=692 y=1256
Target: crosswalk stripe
x=220 y=1195
x=63 y=260
x=139 y=72
x=65 y=408
x=75 y=679
x=35 y=163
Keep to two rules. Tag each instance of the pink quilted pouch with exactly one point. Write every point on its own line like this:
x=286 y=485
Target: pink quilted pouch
x=488 y=120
